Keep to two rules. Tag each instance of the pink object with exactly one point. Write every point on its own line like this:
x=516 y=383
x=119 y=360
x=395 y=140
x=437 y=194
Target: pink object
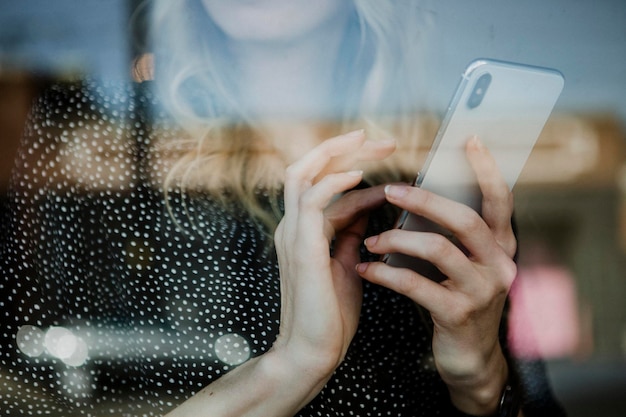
x=544 y=319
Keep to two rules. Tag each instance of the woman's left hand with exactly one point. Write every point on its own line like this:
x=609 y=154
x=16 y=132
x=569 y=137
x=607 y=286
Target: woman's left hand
x=467 y=307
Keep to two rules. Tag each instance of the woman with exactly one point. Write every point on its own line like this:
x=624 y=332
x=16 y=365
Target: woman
x=307 y=322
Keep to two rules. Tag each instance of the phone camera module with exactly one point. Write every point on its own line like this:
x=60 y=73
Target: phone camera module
x=479 y=91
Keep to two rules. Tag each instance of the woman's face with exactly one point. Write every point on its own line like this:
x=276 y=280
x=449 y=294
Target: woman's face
x=276 y=20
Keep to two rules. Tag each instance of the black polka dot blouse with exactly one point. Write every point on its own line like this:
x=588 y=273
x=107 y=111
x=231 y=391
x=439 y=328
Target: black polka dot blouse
x=118 y=300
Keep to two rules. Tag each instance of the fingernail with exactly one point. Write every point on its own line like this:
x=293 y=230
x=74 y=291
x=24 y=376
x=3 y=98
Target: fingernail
x=396 y=191
x=356 y=173
x=371 y=241
x=355 y=133
x=362 y=267
x=477 y=143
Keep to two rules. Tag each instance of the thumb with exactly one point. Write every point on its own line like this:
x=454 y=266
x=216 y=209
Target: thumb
x=348 y=241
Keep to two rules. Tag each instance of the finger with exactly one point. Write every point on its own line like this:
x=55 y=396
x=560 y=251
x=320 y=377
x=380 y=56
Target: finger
x=304 y=170
x=463 y=222
x=347 y=255
x=354 y=204
x=348 y=242
x=301 y=218
x=346 y=247
x=497 y=206
x=431 y=247
x=315 y=199
x=418 y=288
x=299 y=175
x=370 y=150
x=319 y=196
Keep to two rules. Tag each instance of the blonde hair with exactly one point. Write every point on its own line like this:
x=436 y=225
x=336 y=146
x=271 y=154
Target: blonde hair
x=219 y=148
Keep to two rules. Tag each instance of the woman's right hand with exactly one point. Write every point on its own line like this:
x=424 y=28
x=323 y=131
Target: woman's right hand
x=321 y=294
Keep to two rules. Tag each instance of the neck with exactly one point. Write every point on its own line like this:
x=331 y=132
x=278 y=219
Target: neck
x=288 y=80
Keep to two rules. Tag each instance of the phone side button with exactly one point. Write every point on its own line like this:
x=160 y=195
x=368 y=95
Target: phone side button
x=418 y=179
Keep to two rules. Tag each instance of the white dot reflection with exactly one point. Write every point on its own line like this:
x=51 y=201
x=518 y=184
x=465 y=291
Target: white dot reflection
x=58 y=341
x=232 y=349
x=77 y=383
x=30 y=340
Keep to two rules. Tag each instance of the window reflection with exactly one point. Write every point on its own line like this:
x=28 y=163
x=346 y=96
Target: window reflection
x=93 y=254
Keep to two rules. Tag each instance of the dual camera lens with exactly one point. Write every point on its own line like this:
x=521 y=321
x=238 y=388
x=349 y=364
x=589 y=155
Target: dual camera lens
x=479 y=91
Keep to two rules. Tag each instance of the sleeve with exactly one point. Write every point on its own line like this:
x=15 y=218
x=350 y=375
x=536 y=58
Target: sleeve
x=538 y=398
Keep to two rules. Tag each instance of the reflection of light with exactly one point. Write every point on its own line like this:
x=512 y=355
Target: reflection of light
x=30 y=340
x=232 y=349
x=80 y=354
x=60 y=342
x=63 y=344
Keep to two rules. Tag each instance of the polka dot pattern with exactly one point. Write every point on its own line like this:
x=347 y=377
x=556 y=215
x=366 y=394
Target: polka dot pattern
x=113 y=305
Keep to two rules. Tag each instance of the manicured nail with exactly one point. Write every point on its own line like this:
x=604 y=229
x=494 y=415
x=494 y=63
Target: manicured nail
x=356 y=173
x=362 y=267
x=477 y=143
x=355 y=133
x=371 y=241
x=396 y=191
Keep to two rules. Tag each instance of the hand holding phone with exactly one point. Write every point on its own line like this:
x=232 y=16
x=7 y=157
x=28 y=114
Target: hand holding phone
x=506 y=105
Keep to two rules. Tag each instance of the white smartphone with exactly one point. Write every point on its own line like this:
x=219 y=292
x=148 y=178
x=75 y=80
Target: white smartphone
x=506 y=105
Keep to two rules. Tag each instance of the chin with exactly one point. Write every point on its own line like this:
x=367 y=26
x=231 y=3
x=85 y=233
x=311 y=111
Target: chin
x=275 y=20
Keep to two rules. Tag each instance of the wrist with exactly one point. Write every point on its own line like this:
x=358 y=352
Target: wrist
x=288 y=364
x=480 y=395
x=496 y=393
x=510 y=404
x=285 y=385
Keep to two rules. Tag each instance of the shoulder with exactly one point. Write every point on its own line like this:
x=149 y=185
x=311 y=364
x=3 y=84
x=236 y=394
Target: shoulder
x=83 y=133
x=84 y=100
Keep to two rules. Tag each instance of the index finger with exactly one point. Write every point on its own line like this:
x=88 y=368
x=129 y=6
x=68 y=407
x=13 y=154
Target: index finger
x=352 y=205
x=301 y=173
x=463 y=222
x=497 y=202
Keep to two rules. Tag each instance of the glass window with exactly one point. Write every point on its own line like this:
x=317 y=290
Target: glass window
x=147 y=148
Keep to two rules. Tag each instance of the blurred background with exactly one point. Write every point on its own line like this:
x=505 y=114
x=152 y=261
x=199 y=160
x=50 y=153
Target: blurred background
x=570 y=201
